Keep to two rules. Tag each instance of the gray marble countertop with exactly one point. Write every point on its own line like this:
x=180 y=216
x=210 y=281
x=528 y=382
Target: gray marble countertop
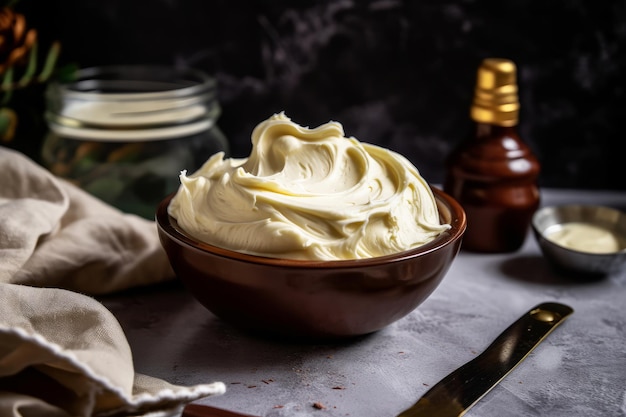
x=579 y=370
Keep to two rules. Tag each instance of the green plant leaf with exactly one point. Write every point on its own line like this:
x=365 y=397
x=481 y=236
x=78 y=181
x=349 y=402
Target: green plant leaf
x=5 y=122
x=50 y=62
x=7 y=81
x=66 y=73
x=8 y=122
x=31 y=67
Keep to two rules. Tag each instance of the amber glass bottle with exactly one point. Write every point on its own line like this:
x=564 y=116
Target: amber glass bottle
x=493 y=173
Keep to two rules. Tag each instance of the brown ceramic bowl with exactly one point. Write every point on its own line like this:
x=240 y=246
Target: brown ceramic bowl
x=311 y=299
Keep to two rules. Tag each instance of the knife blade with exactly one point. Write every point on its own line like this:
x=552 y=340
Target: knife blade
x=454 y=395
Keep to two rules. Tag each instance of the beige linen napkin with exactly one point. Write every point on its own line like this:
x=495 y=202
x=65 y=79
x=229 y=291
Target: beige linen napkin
x=53 y=234
x=62 y=353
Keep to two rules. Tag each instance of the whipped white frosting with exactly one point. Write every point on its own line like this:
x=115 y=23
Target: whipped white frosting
x=308 y=194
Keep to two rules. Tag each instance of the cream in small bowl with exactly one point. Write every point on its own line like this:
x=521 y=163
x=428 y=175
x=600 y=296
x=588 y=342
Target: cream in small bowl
x=583 y=239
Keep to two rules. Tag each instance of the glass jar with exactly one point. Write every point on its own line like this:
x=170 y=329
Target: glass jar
x=124 y=133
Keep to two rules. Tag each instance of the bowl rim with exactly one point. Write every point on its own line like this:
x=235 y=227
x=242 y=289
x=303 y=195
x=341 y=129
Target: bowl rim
x=541 y=232
x=168 y=225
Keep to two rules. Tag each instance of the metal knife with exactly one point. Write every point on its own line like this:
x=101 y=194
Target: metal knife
x=464 y=387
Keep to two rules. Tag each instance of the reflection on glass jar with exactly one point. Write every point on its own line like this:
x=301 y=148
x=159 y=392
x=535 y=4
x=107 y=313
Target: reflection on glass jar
x=124 y=133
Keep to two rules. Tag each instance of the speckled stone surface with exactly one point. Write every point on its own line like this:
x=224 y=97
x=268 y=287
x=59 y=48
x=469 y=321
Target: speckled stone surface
x=579 y=370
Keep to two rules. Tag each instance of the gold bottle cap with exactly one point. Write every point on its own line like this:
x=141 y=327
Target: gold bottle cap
x=495 y=97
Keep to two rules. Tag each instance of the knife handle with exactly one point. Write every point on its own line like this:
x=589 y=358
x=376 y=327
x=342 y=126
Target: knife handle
x=460 y=390
x=201 y=410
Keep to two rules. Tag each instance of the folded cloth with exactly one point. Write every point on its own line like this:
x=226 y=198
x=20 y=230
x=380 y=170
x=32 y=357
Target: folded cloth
x=53 y=234
x=62 y=353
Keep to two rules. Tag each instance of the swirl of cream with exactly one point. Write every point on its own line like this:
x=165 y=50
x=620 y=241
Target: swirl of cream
x=308 y=194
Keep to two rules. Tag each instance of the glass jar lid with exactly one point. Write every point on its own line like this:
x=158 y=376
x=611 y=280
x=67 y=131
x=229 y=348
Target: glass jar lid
x=132 y=103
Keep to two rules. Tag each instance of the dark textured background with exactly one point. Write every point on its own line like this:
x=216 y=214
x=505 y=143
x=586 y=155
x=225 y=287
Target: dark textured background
x=396 y=73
